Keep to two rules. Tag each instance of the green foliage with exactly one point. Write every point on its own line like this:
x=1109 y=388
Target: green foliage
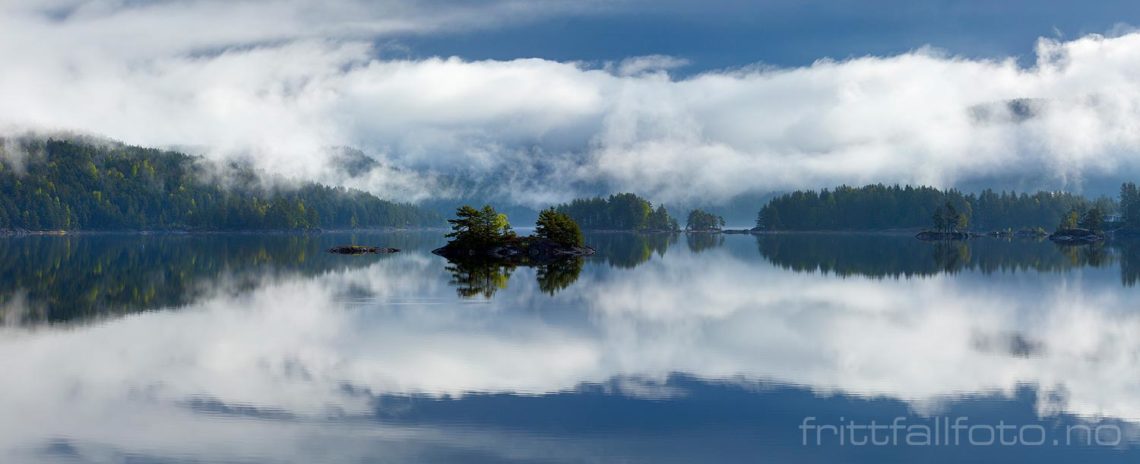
x=947 y=219
x=1130 y=206
x=1070 y=220
x=703 y=221
x=485 y=228
x=558 y=227
x=623 y=211
x=893 y=207
x=659 y=219
x=70 y=185
x=479 y=227
x=1093 y=220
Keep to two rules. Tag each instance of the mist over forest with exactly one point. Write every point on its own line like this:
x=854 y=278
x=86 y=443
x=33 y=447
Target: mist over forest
x=348 y=109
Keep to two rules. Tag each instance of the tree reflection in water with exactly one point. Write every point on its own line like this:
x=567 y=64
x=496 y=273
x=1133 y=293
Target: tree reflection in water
x=555 y=277
x=880 y=256
x=74 y=278
x=1094 y=255
x=951 y=256
x=475 y=278
x=700 y=241
x=628 y=250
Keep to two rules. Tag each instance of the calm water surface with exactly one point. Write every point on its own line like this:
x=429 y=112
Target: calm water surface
x=246 y=348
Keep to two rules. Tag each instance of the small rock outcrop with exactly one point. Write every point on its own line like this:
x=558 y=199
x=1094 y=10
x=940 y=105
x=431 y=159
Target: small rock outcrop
x=361 y=250
x=936 y=236
x=1076 y=236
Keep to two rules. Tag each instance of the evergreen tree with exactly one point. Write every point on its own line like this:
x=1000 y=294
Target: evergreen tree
x=1070 y=220
x=69 y=185
x=622 y=211
x=700 y=220
x=1093 y=220
x=558 y=227
x=479 y=227
x=879 y=206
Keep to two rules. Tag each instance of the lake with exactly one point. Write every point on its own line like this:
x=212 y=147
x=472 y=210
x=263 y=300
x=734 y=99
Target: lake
x=702 y=348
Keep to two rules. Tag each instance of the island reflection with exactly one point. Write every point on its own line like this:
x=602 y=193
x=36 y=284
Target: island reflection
x=482 y=278
x=383 y=346
x=77 y=278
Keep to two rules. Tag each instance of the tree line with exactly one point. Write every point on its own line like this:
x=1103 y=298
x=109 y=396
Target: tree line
x=878 y=206
x=622 y=211
x=68 y=185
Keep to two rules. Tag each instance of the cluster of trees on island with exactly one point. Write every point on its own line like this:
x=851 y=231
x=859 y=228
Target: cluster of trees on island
x=622 y=211
x=484 y=250
x=704 y=221
x=69 y=185
x=481 y=228
x=630 y=212
x=881 y=207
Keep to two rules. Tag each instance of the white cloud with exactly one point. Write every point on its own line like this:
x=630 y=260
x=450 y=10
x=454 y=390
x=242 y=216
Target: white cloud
x=282 y=81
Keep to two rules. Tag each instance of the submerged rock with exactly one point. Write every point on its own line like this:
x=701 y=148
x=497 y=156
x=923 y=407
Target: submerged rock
x=361 y=250
x=1076 y=236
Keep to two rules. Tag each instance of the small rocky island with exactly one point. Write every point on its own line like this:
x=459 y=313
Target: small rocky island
x=948 y=223
x=486 y=235
x=1078 y=228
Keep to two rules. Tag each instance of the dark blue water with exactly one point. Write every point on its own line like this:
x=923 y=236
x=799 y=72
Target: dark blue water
x=824 y=348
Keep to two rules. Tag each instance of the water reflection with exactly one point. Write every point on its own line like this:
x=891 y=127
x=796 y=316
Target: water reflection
x=709 y=356
x=699 y=242
x=559 y=275
x=58 y=279
x=1130 y=262
x=628 y=250
x=902 y=256
x=474 y=278
x=479 y=278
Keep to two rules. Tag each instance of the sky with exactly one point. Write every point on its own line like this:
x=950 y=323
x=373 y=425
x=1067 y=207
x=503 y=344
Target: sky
x=537 y=102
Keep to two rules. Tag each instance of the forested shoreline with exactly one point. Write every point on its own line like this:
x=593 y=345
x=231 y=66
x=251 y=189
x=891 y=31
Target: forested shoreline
x=65 y=185
x=881 y=207
x=74 y=186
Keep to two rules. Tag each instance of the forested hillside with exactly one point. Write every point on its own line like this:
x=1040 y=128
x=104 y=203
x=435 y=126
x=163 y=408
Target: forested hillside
x=893 y=207
x=71 y=185
x=623 y=211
